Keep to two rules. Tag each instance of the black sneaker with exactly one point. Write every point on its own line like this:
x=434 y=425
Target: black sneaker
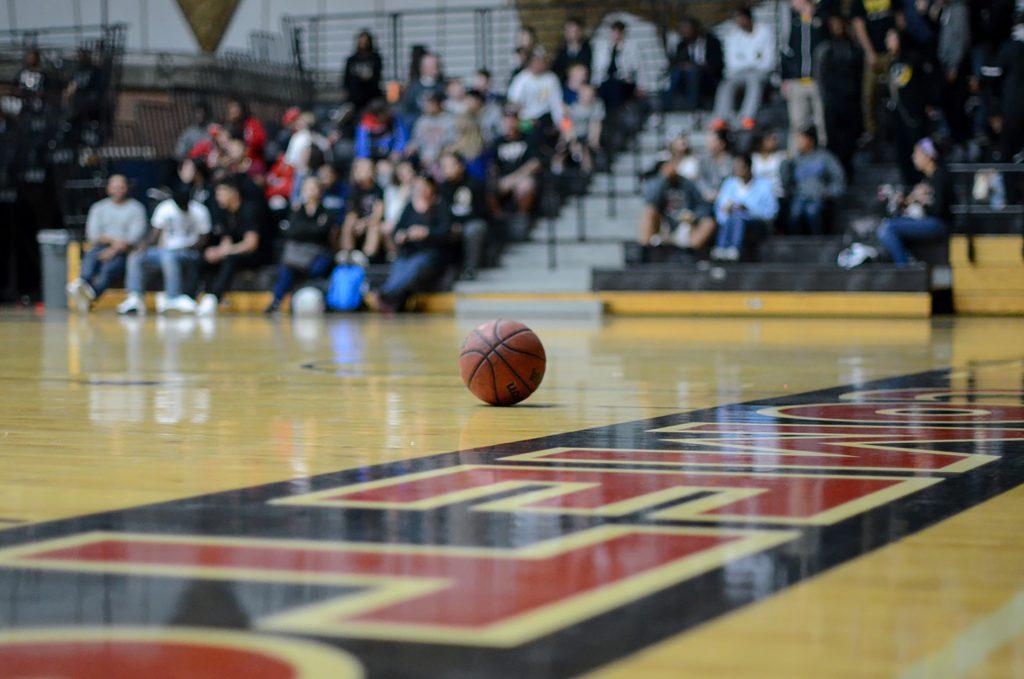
x=272 y=308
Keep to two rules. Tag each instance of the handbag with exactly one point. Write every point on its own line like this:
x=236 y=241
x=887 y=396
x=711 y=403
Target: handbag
x=346 y=289
x=299 y=255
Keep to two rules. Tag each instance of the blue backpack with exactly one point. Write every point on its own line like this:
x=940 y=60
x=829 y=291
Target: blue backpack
x=346 y=290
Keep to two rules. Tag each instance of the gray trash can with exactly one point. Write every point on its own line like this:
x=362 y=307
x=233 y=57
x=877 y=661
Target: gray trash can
x=53 y=250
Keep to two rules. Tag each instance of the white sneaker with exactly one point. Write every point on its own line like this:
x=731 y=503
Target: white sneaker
x=160 y=302
x=717 y=253
x=78 y=296
x=732 y=254
x=183 y=304
x=133 y=304
x=207 y=305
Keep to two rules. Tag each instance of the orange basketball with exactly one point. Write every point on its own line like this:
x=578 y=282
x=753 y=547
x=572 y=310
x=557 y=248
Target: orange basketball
x=502 y=362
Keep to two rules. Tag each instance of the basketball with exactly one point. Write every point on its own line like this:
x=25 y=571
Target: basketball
x=502 y=362
x=308 y=302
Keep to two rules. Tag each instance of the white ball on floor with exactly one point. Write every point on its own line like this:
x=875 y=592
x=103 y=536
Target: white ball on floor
x=308 y=302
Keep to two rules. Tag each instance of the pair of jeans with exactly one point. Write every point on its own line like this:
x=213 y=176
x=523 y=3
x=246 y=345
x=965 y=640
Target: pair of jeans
x=174 y=264
x=806 y=211
x=101 y=275
x=408 y=274
x=687 y=81
x=318 y=268
x=894 y=232
x=752 y=81
x=732 y=230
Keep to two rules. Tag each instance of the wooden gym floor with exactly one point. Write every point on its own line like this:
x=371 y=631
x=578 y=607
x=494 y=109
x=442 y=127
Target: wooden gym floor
x=691 y=497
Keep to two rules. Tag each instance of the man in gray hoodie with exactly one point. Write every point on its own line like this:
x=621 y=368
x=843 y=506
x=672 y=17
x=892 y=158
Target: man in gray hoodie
x=812 y=177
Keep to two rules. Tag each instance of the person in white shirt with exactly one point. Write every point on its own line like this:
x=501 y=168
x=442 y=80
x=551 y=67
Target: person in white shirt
x=616 y=69
x=749 y=59
x=114 y=225
x=537 y=91
x=179 y=227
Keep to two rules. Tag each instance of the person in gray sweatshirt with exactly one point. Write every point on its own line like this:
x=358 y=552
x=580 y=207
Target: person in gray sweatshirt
x=811 y=178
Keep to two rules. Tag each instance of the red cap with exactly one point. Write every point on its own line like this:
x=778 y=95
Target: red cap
x=291 y=115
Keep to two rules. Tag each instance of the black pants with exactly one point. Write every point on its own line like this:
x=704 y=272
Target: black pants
x=218 y=277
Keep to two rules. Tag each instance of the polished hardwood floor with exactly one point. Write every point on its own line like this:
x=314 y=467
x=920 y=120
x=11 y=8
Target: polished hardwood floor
x=134 y=423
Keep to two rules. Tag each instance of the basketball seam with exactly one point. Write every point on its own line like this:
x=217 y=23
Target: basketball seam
x=524 y=353
x=469 y=380
x=494 y=351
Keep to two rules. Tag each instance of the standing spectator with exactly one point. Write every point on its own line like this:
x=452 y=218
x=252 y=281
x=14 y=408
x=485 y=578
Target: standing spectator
x=838 y=65
x=991 y=25
x=575 y=49
x=378 y=135
x=537 y=93
x=715 y=165
x=926 y=210
x=433 y=132
x=236 y=231
x=748 y=63
x=581 y=134
x=308 y=234
x=303 y=137
x=517 y=164
x=361 y=231
x=196 y=132
x=83 y=95
x=179 y=227
x=243 y=125
x=803 y=96
x=362 y=75
x=114 y=226
x=908 y=96
x=421 y=236
x=674 y=201
x=526 y=43
x=1011 y=64
x=767 y=160
x=617 y=67
x=467 y=206
x=697 y=65
x=872 y=20
x=744 y=203
x=32 y=79
x=429 y=82
x=953 y=44
x=811 y=178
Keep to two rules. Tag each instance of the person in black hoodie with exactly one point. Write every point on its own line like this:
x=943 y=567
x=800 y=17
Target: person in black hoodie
x=697 y=65
x=467 y=204
x=362 y=73
x=421 y=235
x=308 y=233
x=838 y=66
x=908 y=99
x=575 y=49
x=925 y=210
x=799 y=86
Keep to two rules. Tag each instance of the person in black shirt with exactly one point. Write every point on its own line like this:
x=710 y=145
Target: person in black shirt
x=362 y=75
x=908 y=100
x=673 y=200
x=464 y=197
x=575 y=49
x=872 y=19
x=517 y=163
x=309 y=233
x=1011 y=63
x=838 y=65
x=236 y=235
x=361 y=232
x=697 y=65
x=421 y=235
x=926 y=210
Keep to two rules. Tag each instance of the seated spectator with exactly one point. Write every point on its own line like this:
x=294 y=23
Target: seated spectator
x=308 y=235
x=811 y=178
x=455 y=97
x=114 y=226
x=241 y=124
x=526 y=43
x=744 y=203
x=467 y=205
x=581 y=132
x=838 y=65
x=697 y=66
x=180 y=226
x=617 y=67
x=397 y=182
x=303 y=137
x=799 y=87
x=749 y=53
x=469 y=142
x=574 y=51
x=715 y=165
x=361 y=232
x=767 y=160
x=378 y=134
x=32 y=78
x=421 y=235
x=236 y=235
x=925 y=211
x=433 y=132
x=688 y=163
x=537 y=93
x=579 y=75
x=197 y=131
x=279 y=183
x=429 y=82
x=362 y=74
x=673 y=201
x=334 y=191
x=487 y=113
x=517 y=162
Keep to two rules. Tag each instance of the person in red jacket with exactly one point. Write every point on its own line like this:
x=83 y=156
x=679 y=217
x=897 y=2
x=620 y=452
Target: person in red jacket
x=242 y=125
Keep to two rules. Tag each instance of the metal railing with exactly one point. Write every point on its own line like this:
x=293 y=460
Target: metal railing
x=965 y=213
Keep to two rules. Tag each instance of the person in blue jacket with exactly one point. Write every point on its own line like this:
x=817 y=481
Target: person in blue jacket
x=743 y=202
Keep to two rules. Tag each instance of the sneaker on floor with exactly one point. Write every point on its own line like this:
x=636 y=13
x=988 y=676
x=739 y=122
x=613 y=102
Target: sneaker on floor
x=133 y=304
x=81 y=295
x=160 y=302
x=183 y=304
x=359 y=258
x=207 y=305
x=731 y=254
x=272 y=308
x=717 y=253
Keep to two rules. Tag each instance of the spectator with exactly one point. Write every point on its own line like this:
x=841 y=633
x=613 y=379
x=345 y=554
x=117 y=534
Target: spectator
x=581 y=135
x=799 y=87
x=334 y=191
x=838 y=64
x=421 y=236
x=241 y=124
x=575 y=49
x=767 y=160
x=236 y=232
x=715 y=165
x=1011 y=64
x=953 y=45
x=617 y=67
x=487 y=113
x=361 y=231
x=114 y=226
x=537 y=93
x=379 y=135
x=32 y=79
x=577 y=77
x=674 y=201
x=909 y=97
x=397 y=182
x=812 y=178
x=926 y=210
x=482 y=83
x=744 y=204
x=179 y=227
x=517 y=162
x=467 y=206
x=197 y=131
x=434 y=131
x=872 y=20
x=455 y=97
x=427 y=84
x=697 y=64
x=302 y=138
x=83 y=94
x=362 y=74
x=526 y=43
x=688 y=164
x=197 y=177
x=308 y=234
x=469 y=141
x=748 y=63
